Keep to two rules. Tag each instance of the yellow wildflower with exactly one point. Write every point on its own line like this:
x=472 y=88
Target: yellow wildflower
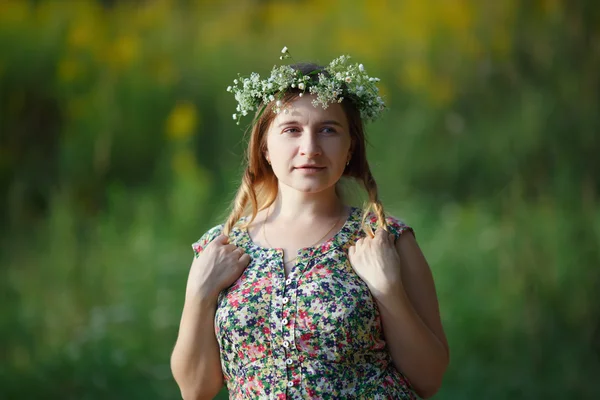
x=182 y=121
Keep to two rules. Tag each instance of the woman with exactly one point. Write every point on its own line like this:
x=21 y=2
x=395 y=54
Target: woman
x=298 y=295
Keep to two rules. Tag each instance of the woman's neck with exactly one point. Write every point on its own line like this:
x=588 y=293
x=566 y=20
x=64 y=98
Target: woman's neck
x=292 y=205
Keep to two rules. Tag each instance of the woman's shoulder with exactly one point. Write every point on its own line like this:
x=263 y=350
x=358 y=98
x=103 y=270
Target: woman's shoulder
x=206 y=238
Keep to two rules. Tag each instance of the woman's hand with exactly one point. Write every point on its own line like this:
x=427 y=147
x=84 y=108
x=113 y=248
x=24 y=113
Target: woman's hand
x=216 y=268
x=376 y=261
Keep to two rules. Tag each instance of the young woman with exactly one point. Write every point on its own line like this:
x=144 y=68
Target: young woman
x=299 y=295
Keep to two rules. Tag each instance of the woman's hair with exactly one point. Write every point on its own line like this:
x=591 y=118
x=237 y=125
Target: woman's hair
x=259 y=185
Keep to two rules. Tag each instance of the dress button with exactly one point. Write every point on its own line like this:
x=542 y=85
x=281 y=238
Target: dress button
x=285 y=300
x=289 y=361
x=284 y=321
x=288 y=282
x=290 y=384
x=286 y=343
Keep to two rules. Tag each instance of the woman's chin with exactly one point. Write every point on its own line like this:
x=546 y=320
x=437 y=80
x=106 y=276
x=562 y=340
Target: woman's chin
x=309 y=188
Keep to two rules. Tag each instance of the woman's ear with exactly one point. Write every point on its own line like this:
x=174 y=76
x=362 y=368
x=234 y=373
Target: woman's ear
x=350 y=152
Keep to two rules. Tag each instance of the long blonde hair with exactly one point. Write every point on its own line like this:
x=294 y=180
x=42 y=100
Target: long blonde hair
x=259 y=185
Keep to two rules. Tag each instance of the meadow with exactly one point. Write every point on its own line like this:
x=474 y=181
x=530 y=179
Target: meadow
x=118 y=150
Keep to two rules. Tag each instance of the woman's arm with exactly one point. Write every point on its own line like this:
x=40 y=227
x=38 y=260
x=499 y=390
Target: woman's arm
x=411 y=321
x=195 y=361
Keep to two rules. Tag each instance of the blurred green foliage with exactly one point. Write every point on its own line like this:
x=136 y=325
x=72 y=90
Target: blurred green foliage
x=117 y=150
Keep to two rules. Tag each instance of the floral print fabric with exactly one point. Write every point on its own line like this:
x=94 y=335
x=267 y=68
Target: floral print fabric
x=315 y=334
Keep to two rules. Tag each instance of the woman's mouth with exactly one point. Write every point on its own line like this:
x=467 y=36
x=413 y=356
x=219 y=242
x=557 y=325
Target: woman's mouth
x=310 y=169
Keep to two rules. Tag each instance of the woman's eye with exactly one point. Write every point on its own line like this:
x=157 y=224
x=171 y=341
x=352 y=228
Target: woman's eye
x=328 y=130
x=291 y=130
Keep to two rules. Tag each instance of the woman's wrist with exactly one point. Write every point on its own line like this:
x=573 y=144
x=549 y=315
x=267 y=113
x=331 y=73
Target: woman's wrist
x=203 y=300
x=393 y=296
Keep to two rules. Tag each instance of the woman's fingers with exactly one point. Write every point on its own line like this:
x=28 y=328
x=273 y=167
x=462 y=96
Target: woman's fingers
x=245 y=259
x=229 y=247
x=380 y=234
x=222 y=239
x=239 y=251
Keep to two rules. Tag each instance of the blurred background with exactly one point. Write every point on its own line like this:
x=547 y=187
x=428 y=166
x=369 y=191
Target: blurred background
x=118 y=150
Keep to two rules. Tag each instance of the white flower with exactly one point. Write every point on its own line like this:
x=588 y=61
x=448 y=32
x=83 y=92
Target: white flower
x=331 y=85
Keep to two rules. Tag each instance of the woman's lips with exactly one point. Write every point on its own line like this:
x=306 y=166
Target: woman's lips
x=310 y=169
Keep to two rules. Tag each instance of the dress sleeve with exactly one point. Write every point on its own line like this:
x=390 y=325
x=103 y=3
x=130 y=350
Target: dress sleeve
x=208 y=237
x=397 y=227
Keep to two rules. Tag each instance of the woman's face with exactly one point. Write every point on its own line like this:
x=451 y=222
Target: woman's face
x=308 y=146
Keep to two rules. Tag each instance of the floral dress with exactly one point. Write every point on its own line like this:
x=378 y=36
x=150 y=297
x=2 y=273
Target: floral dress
x=315 y=334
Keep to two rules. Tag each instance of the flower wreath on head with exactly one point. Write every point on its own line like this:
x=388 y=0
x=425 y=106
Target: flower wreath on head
x=342 y=80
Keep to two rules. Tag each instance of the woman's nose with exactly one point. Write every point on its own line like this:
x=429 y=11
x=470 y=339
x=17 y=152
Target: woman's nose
x=309 y=145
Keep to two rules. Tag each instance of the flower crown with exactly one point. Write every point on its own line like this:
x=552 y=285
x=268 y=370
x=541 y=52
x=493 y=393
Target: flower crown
x=340 y=80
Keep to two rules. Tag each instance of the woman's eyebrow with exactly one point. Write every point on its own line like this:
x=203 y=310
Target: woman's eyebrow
x=331 y=122
x=285 y=123
x=327 y=122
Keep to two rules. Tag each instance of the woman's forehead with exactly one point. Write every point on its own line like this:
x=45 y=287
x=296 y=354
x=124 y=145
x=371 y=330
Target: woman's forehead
x=301 y=110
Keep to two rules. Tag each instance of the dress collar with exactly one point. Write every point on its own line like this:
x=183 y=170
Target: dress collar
x=342 y=239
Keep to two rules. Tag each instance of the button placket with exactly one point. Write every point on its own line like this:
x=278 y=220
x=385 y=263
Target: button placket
x=288 y=312
x=280 y=350
x=275 y=315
